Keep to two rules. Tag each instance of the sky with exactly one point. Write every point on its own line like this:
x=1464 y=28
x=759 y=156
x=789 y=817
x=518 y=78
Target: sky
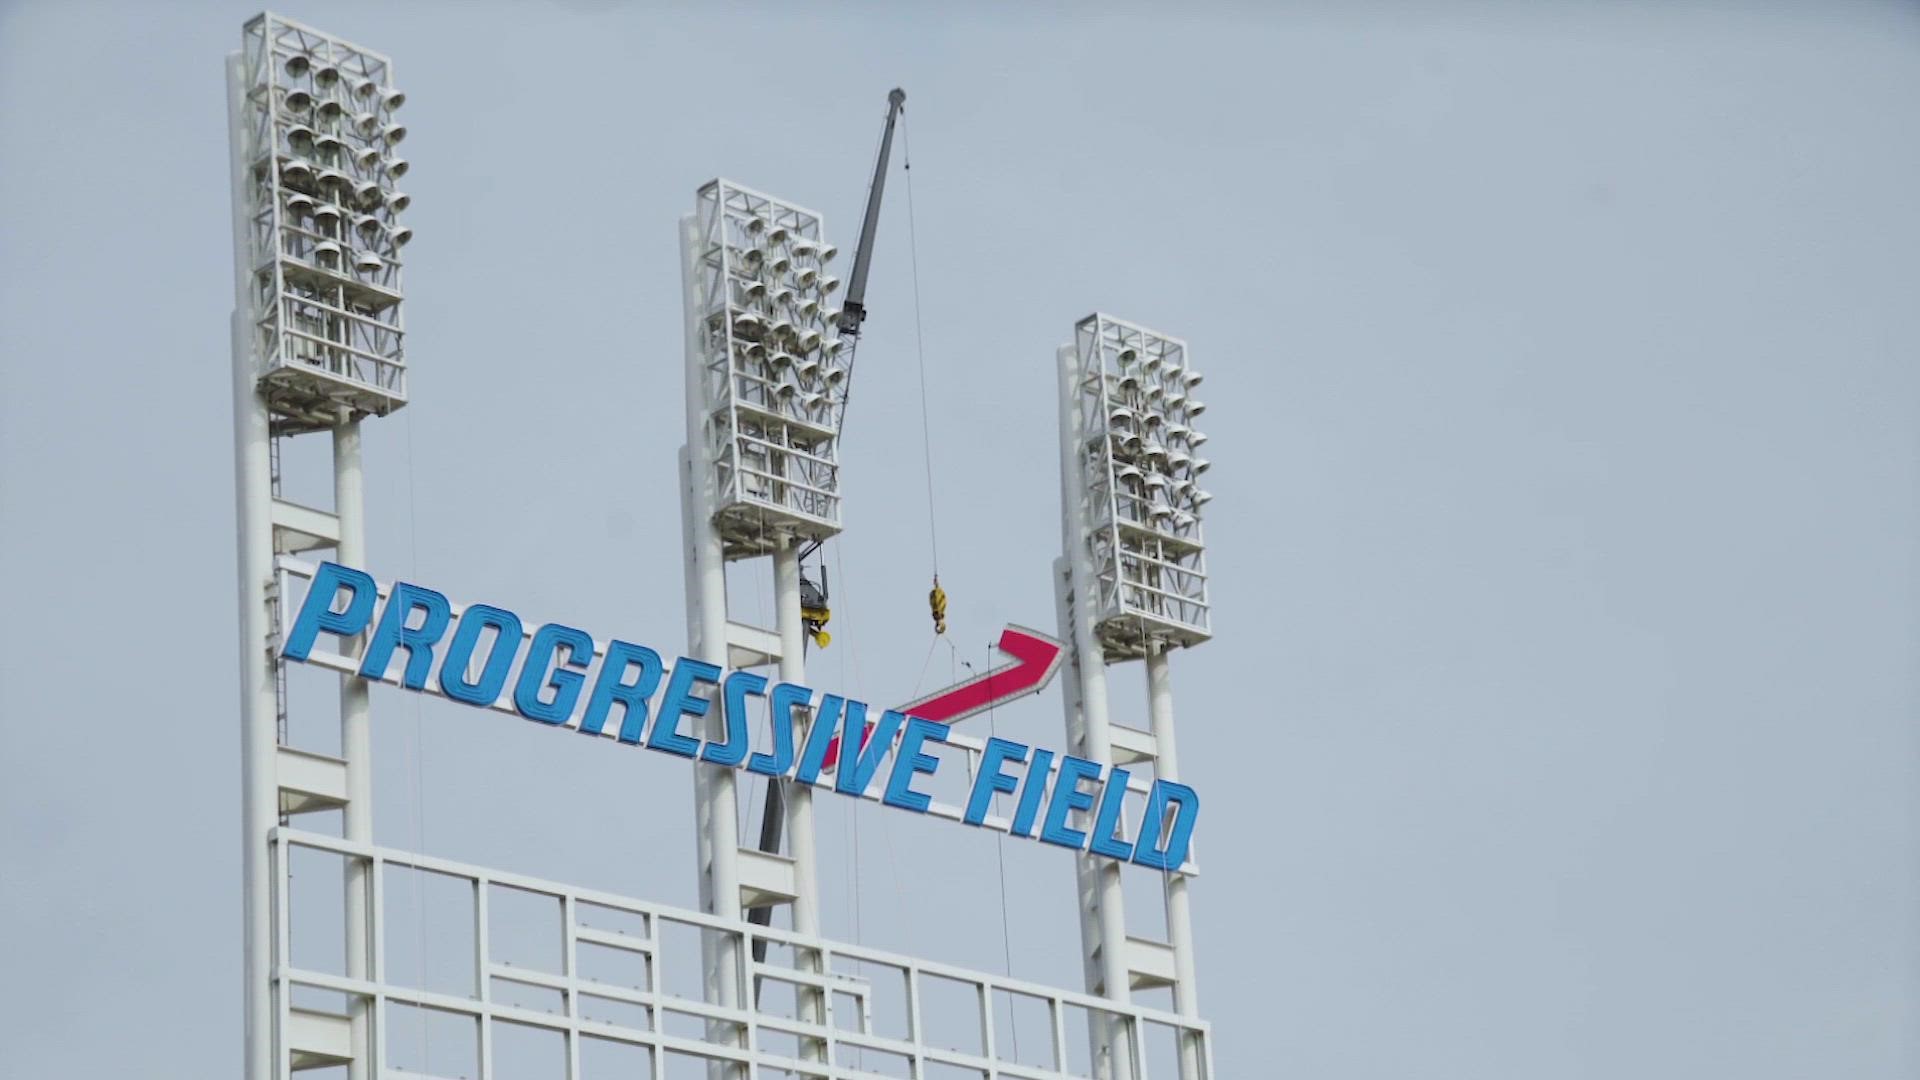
x=1560 y=717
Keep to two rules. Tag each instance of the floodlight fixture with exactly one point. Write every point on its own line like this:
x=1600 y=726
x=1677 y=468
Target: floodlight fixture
x=1139 y=509
x=765 y=494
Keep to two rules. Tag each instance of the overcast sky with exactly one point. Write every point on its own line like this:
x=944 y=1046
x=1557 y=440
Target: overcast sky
x=1560 y=721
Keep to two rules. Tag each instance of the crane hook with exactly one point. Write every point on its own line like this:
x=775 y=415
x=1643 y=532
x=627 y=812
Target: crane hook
x=937 y=602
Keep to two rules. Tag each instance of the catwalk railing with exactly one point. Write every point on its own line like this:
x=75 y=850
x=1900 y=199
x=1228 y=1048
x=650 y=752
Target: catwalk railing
x=611 y=987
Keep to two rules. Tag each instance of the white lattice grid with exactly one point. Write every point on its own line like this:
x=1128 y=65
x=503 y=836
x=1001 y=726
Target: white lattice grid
x=324 y=232
x=1140 y=453
x=775 y=376
x=609 y=986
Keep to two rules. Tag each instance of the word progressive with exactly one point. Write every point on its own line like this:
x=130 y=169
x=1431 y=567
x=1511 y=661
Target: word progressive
x=559 y=660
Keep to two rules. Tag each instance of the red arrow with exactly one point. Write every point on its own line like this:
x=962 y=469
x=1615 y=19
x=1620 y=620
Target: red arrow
x=1036 y=659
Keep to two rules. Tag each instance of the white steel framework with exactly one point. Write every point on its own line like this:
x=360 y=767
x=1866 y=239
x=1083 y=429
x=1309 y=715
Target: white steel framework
x=771 y=373
x=316 y=342
x=760 y=476
x=616 y=976
x=1130 y=584
x=1140 y=468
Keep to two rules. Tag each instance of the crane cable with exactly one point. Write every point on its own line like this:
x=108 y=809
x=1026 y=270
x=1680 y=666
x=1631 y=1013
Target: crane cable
x=936 y=597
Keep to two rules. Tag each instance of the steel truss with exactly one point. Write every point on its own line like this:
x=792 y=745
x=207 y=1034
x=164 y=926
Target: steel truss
x=1130 y=584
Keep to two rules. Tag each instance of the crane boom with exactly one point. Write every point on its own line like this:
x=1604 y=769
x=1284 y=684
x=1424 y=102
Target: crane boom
x=853 y=310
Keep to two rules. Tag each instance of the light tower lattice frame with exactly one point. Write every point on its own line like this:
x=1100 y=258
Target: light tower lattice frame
x=317 y=346
x=1131 y=583
x=766 y=383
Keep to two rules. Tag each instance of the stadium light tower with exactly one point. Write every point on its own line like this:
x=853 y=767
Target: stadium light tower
x=766 y=384
x=316 y=348
x=1131 y=585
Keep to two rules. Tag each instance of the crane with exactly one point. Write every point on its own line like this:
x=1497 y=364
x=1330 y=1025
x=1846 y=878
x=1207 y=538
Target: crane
x=814 y=610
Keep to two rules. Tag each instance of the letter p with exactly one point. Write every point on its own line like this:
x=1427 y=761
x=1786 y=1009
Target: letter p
x=317 y=614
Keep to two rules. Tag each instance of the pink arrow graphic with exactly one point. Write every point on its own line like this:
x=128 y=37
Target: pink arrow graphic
x=1036 y=659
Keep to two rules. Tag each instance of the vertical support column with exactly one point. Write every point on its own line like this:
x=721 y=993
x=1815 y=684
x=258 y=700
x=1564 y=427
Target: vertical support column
x=798 y=798
x=356 y=736
x=1166 y=766
x=1083 y=886
x=714 y=792
x=1100 y=874
x=259 y=739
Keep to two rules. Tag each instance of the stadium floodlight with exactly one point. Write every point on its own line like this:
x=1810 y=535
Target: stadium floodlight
x=1139 y=470
x=1132 y=585
x=317 y=348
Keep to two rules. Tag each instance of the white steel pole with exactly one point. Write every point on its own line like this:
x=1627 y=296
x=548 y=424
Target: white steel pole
x=1104 y=874
x=714 y=795
x=356 y=736
x=797 y=799
x=259 y=737
x=1166 y=766
x=1083 y=885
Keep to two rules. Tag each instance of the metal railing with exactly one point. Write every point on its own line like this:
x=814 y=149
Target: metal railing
x=820 y=1008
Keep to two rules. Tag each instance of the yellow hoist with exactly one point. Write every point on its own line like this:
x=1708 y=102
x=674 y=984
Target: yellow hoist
x=937 y=603
x=814 y=611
